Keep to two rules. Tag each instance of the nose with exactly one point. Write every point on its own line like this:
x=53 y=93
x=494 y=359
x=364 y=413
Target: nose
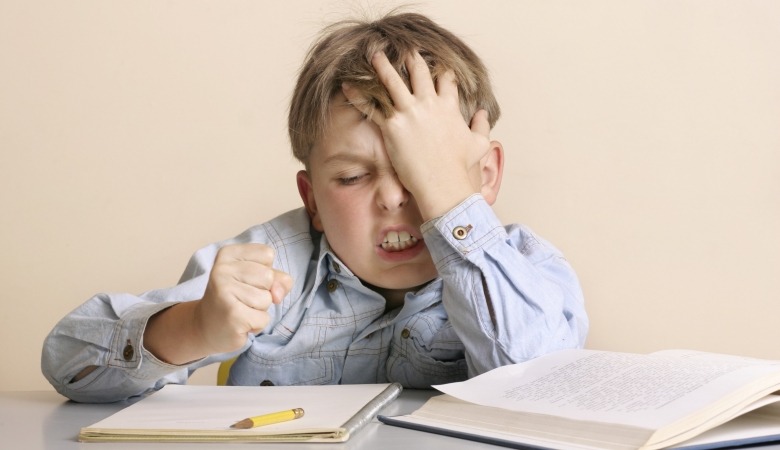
x=391 y=194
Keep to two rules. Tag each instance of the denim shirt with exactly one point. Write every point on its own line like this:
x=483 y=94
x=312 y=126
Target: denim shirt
x=503 y=296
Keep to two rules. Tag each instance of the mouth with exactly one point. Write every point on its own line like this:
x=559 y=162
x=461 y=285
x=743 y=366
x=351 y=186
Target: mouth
x=397 y=241
x=399 y=244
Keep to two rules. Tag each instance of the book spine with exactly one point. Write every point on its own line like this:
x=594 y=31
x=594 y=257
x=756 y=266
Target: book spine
x=370 y=410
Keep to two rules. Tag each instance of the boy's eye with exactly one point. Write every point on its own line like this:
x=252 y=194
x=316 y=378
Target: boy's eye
x=346 y=181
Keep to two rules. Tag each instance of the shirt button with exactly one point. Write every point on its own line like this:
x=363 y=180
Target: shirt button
x=266 y=383
x=128 y=352
x=333 y=285
x=337 y=267
x=405 y=333
x=461 y=232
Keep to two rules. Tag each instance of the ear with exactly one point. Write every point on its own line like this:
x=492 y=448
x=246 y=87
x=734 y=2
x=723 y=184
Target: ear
x=492 y=171
x=306 y=192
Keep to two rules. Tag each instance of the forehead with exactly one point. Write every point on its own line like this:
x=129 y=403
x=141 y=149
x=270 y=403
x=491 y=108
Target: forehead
x=346 y=133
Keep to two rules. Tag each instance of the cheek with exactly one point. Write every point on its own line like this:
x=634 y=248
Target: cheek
x=344 y=210
x=347 y=225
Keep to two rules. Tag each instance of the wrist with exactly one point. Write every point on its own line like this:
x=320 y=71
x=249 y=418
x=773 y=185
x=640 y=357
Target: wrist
x=171 y=335
x=436 y=202
x=443 y=189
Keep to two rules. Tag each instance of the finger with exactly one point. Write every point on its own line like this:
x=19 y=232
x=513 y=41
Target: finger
x=391 y=80
x=272 y=286
x=419 y=75
x=281 y=286
x=361 y=103
x=447 y=85
x=256 y=321
x=250 y=273
x=480 y=123
x=254 y=252
x=252 y=297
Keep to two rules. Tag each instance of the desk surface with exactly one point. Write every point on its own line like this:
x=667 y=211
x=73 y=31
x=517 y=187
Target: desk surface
x=37 y=420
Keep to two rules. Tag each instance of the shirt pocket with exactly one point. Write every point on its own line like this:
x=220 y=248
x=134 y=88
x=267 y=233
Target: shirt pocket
x=426 y=351
x=249 y=370
x=298 y=359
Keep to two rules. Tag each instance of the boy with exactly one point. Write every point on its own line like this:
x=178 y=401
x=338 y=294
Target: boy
x=396 y=269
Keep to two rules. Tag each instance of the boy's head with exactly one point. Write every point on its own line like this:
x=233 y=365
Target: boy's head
x=350 y=187
x=343 y=54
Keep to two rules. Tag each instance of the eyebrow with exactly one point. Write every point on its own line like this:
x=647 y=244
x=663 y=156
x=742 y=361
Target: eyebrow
x=347 y=157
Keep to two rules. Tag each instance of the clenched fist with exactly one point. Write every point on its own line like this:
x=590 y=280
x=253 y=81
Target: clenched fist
x=242 y=286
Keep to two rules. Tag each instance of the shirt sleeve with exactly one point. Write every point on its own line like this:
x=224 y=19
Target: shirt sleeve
x=106 y=332
x=510 y=295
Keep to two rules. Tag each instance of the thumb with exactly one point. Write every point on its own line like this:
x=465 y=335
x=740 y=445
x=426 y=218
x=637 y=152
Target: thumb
x=281 y=286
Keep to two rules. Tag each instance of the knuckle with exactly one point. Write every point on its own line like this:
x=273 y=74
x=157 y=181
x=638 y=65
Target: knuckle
x=227 y=249
x=259 y=321
x=262 y=300
x=266 y=278
x=265 y=252
x=219 y=272
x=287 y=280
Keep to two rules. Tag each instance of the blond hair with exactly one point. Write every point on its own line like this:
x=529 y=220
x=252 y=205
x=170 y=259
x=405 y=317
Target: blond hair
x=343 y=53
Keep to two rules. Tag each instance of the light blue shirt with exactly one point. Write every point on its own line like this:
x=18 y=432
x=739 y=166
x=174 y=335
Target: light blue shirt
x=503 y=296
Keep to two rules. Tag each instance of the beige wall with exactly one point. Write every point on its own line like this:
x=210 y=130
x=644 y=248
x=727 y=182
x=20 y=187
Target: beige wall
x=641 y=137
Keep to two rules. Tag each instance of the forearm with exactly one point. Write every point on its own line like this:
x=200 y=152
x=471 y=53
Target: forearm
x=93 y=355
x=501 y=323
x=96 y=353
x=107 y=384
x=510 y=297
x=172 y=336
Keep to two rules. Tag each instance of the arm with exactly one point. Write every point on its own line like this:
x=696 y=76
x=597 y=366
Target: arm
x=104 y=351
x=241 y=287
x=95 y=353
x=510 y=295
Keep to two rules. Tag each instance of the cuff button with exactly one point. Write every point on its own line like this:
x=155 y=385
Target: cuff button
x=128 y=352
x=461 y=232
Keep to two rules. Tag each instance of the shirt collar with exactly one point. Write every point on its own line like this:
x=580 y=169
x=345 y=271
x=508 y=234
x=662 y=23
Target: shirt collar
x=327 y=261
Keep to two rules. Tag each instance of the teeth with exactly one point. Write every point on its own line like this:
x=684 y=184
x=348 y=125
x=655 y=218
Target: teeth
x=396 y=241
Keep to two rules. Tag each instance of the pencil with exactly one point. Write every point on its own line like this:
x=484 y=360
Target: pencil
x=268 y=419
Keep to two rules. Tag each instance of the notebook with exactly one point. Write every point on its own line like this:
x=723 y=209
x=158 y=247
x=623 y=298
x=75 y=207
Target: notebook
x=190 y=413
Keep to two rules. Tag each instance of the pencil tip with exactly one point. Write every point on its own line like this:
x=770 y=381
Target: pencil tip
x=243 y=424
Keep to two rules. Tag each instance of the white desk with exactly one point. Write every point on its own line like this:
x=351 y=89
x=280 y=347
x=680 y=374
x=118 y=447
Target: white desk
x=38 y=420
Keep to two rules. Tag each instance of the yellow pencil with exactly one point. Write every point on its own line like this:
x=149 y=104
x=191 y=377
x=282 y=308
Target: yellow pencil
x=268 y=419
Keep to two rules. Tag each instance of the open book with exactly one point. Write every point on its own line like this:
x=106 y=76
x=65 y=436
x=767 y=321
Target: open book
x=588 y=399
x=186 y=413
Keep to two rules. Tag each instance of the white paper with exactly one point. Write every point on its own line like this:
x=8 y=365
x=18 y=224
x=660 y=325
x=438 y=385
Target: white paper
x=623 y=388
x=215 y=408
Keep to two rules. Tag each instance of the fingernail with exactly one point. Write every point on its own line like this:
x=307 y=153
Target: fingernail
x=347 y=89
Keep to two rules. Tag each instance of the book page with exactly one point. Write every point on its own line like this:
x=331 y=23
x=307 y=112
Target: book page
x=755 y=426
x=623 y=388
